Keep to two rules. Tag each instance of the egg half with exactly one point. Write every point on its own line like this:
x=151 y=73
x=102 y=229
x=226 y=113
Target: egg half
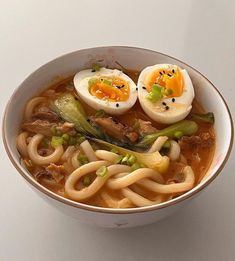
x=165 y=93
x=106 y=89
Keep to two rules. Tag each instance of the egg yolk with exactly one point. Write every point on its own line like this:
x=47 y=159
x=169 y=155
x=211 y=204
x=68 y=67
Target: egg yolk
x=109 y=88
x=169 y=78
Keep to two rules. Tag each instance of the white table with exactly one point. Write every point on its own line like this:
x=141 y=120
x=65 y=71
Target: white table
x=202 y=33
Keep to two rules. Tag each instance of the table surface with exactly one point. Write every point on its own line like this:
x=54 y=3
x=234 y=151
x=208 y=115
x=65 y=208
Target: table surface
x=201 y=33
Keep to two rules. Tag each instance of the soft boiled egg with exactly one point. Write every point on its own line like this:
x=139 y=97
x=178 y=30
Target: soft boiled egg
x=165 y=93
x=106 y=89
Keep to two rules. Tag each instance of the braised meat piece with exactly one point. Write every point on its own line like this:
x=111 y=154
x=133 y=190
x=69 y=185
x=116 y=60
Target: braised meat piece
x=115 y=129
x=145 y=127
x=39 y=126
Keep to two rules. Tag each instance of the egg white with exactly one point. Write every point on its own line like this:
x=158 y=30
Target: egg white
x=81 y=80
x=178 y=110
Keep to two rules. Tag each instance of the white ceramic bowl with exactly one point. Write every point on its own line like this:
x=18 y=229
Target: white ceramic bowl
x=131 y=58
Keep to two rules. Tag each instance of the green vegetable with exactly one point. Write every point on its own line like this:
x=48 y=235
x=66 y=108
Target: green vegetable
x=83 y=159
x=187 y=128
x=72 y=141
x=71 y=110
x=167 y=145
x=156 y=93
x=95 y=67
x=86 y=180
x=178 y=134
x=151 y=160
x=65 y=136
x=114 y=150
x=118 y=160
x=208 y=117
x=92 y=81
x=80 y=139
x=100 y=113
x=107 y=82
x=135 y=166
x=56 y=141
x=102 y=171
x=125 y=159
x=131 y=160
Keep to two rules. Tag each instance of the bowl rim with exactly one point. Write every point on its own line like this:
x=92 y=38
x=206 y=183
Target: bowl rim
x=91 y=208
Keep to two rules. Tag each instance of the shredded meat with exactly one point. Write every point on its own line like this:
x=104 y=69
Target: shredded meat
x=41 y=172
x=39 y=126
x=145 y=127
x=204 y=140
x=44 y=113
x=115 y=129
x=56 y=171
x=67 y=127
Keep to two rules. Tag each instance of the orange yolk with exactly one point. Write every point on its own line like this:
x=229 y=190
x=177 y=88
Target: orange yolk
x=117 y=90
x=170 y=78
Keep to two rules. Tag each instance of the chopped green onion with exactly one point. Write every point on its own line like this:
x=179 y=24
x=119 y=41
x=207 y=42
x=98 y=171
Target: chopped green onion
x=92 y=81
x=178 y=134
x=107 y=82
x=100 y=113
x=114 y=150
x=86 y=180
x=156 y=93
x=131 y=160
x=83 y=159
x=65 y=137
x=95 y=67
x=125 y=159
x=80 y=139
x=56 y=141
x=102 y=171
x=135 y=166
x=168 y=92
x=118 y=160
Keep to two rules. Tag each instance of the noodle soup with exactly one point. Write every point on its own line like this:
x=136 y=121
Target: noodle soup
x=105 y=147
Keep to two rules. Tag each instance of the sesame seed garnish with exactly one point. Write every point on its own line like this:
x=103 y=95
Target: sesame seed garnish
x=163 y=103
x=144 y=88
x=167 y=107
x=160 y=73
x=173 y=99
x=169 y=74
x=93 y=70
x=76 y=98
x=136 y=88
x=123 y=85
x=117 y=104
x=173 y=70
x=164 y=72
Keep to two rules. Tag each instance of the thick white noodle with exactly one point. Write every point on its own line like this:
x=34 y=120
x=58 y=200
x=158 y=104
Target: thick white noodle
x=158 y=143
x=131 y=178
x=174 y=152
x=22 y=144
x=68 y=153
x=31 y=105
x=106 y=155
x=74 y=160
x=43 y=160
x=88 y=150
x=96 y=185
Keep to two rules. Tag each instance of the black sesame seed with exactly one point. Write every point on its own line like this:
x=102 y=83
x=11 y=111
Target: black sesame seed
x=123 y=85
x=167 y=107
x=163 y=103
x=136 y=89
x=173 y=99
x=164 y=72
x=117 y=104
x=160 y=73
x=101 y=79
x=93 y=70
x=173 y=70
x=76 y=98
x=88 y=120
x=169 y=74
x=144 y=88
x=119 y=87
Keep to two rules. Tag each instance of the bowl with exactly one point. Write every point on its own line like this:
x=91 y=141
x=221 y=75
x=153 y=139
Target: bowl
x=131 y=58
